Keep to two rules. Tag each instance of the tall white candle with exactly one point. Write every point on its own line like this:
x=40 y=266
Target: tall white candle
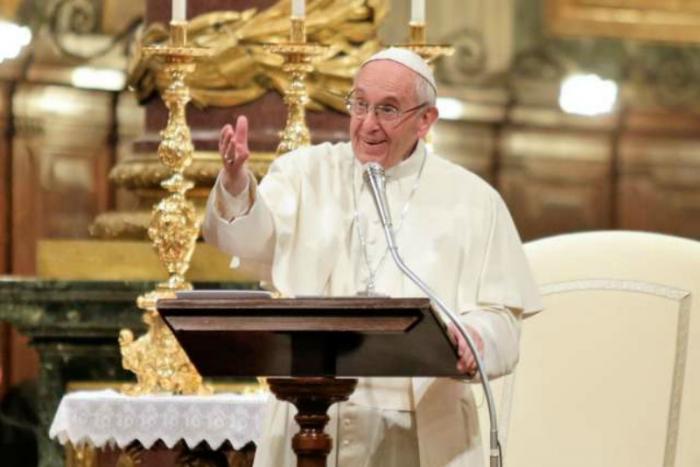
x=298 y=8
x=418 y=11
x=179 y=9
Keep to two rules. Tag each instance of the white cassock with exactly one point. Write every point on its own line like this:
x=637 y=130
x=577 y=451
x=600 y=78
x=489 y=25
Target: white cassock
x=453 y=230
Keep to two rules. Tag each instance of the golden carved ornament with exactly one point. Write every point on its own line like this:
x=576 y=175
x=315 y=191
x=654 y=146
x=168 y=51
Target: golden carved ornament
x=131 y=456
x=121 y=225
x=156 y=358
x=140 y=172
x=82 y=455
x=241 y=69
x=669 y=21
x=174 y=229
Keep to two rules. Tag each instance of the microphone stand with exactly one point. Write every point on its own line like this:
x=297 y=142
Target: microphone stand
x=374 y=176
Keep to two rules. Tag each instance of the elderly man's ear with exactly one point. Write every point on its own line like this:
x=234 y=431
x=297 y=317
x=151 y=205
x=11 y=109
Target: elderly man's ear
x=427 y=119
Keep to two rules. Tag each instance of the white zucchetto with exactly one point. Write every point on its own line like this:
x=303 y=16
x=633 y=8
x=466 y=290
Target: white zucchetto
x=407 y=58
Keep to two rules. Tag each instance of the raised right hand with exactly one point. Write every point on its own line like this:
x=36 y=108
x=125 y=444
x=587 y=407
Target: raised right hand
x=233 y=148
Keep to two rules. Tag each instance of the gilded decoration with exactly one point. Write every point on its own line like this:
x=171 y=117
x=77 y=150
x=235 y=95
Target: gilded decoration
x=131 y=456
x=241 y=69
x=156 y=358
x=143 y=171
x=658 y=20
x=84 y=455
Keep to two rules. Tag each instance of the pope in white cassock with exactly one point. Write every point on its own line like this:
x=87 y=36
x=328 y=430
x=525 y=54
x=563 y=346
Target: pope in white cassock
x=311 y=228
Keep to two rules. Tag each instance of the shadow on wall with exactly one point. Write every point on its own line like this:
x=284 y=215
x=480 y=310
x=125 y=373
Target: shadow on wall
x=18 y=425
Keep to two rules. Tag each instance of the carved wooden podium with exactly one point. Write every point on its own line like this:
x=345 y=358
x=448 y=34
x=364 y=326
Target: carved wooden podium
x=311 y=348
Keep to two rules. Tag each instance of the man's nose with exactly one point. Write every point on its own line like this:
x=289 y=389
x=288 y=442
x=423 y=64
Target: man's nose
x=371 y=121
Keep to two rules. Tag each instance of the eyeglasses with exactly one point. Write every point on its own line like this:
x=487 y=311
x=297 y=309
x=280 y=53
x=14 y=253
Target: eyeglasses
x=384 y=112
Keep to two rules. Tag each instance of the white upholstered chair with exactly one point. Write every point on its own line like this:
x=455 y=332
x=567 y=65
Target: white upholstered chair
x=609 y=374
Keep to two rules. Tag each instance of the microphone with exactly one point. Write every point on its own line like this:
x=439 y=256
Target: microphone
x=374 y=176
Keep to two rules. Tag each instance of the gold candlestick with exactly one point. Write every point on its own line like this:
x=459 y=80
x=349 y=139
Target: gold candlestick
x=156 y=358
x=418 y=43
x=297 y=63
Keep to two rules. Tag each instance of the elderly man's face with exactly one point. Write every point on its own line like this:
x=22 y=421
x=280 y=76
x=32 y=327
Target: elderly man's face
x=384 y=82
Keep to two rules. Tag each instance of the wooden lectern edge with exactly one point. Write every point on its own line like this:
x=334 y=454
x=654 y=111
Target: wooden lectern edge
x=252 y=308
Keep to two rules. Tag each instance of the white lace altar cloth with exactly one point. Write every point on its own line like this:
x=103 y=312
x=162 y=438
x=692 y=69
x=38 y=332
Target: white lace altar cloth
x=108 y=417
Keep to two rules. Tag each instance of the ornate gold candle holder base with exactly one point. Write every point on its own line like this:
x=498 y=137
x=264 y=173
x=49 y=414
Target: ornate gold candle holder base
x=160 y=364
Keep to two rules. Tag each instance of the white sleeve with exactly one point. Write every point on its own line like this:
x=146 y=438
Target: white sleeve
x=241 y=226
x=499 y=328
x=227 y=206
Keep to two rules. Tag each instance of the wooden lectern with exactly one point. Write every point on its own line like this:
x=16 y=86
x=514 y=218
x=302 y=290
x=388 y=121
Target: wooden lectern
x=312 y=349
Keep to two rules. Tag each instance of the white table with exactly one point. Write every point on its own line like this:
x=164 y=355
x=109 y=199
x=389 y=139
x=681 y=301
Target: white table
x=108 y=418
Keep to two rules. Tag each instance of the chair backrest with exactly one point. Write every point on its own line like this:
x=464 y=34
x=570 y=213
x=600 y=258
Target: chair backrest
x=609 y=373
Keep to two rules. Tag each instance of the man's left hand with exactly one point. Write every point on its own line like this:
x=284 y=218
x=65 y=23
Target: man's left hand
x=467 y=362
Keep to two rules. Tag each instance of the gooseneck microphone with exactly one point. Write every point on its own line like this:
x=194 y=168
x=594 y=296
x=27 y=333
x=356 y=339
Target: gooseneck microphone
x=375 y=178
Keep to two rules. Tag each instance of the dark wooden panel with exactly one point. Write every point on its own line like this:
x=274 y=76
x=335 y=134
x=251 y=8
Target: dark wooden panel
x=5 y=169
x=18 y=361
x=160 y=455
x=556 y=181
x=659 y=184
x=469 y=144
x=311 y=337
